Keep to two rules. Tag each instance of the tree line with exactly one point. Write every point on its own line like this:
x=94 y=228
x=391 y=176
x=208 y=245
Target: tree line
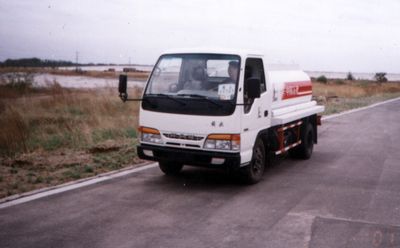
x=35 y=62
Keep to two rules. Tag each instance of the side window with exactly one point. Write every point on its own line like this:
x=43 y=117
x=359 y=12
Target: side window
x=254 y=69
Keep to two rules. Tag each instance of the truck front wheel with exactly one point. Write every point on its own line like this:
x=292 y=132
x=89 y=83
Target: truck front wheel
x=170 y=168
x=305 y=149
x=253 y=172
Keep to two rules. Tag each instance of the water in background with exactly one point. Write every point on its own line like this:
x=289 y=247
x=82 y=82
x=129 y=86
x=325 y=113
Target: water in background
x=81 y=81
x=91 y=82
x=338 y=75
x=107 y=67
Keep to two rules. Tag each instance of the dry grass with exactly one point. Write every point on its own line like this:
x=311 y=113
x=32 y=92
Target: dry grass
x=340 y=95
x=55 y=135
x=354 y=89
x=68 y=118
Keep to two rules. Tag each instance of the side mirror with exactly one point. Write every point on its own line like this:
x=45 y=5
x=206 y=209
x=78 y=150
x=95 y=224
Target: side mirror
x=253 y=88
x=123 y=79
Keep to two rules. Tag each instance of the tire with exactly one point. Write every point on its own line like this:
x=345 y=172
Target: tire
x=305 y=149
x=170 y=168
x=253 y=172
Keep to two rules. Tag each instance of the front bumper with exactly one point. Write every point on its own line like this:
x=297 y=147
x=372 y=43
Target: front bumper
x=190 y=157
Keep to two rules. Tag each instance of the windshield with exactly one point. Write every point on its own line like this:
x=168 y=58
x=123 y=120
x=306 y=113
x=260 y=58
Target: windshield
x=181 y=80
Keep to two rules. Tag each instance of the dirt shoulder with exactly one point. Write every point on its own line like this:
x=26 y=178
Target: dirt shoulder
x=40 y=169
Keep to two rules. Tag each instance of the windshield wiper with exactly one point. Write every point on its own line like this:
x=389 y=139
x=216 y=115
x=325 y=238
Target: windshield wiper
x=169 y=97
x=202 y=97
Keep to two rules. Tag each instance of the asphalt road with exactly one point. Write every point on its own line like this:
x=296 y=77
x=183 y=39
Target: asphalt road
x=347 y=195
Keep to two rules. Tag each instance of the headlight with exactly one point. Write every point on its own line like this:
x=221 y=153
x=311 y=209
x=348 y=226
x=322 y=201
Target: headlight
x=223 y=142
x=150 y=135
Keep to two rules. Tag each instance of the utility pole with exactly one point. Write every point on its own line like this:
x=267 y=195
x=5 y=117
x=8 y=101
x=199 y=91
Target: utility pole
x=76 y=60
x=129 y=61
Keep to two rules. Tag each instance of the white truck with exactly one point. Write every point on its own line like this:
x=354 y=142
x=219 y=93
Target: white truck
x=224 y=109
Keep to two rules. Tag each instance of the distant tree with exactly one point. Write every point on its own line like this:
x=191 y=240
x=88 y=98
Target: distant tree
x=350 y=76
x=380 y=77
x=322 y=79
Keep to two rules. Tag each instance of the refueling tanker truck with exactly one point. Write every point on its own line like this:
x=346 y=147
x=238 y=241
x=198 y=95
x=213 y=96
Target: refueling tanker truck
x=224 y=109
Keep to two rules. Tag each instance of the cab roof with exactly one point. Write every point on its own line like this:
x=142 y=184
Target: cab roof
x=214 y=50
x=233 y=51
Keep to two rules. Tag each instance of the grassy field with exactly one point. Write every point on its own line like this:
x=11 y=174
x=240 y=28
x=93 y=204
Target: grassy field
x=340 y=95
x=53 y=135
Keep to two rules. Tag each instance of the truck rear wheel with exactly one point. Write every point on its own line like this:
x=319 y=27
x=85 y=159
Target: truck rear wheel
x=253 y=172
x=305 y=149
x=170 y=168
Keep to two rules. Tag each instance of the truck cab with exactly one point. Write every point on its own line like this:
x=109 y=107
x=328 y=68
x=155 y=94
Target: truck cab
x=224 y=109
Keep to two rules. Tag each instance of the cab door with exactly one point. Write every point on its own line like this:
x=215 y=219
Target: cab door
x=256 y=114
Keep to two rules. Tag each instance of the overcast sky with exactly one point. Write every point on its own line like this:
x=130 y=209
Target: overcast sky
x=341 y=35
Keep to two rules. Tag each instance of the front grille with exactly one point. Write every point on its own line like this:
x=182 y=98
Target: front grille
x=173 y=144
x=180 y=145
x=189 y=145
x=182 y=156
x=183 y=136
